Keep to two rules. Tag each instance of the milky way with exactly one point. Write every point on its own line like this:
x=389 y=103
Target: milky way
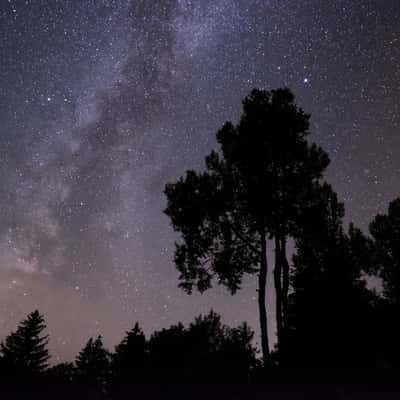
x=103 y=102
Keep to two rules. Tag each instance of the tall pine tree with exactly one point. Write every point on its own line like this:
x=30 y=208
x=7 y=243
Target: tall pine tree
x=24 y=352
x=93 y=364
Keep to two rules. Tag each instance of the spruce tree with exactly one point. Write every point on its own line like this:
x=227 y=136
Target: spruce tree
x=130 y=357
x=24 y=352
x=93 y=364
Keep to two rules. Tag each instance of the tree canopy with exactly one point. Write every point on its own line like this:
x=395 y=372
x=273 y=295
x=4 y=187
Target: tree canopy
x=254 y=189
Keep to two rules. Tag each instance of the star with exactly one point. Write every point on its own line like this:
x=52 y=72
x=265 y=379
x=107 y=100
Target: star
x=103 y=103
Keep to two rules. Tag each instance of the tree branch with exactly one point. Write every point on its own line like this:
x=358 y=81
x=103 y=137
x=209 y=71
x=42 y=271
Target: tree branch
x=244 y=240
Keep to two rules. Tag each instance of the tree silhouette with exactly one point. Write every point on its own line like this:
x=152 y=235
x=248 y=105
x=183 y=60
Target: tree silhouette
x=167 y=349
x=385 y=231
x=330 y=308
x=385 y=253
x=130 y=358
x=236 y=355
x=252 y=192
x=24 y=352
x=206 y=351
x=93 y=364
x=62 y=373
x=218 y=353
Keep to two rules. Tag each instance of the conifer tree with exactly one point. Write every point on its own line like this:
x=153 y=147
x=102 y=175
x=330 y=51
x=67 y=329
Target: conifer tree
x=24 y=352
x=130 y=357
x=93 y=364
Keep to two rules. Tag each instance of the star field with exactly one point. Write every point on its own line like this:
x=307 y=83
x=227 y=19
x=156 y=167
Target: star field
x=103 y=102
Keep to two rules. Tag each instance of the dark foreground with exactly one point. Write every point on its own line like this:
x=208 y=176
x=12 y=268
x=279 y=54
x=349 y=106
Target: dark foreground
x=282 y=384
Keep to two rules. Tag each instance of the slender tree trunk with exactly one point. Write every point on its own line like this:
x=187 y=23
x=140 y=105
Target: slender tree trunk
x=285 y=281
x=262 y=283
x=278 y=289
x=285 y=292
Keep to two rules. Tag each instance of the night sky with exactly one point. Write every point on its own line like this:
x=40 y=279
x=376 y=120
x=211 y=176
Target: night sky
x=102 y=102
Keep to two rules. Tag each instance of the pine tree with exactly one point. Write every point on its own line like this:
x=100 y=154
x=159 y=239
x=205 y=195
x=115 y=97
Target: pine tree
x=24 y=352
x=93 y=364
x=130 y=357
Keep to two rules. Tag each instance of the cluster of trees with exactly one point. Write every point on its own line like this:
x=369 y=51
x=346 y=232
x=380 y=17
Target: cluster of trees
x=266 y=187
x=205 y=351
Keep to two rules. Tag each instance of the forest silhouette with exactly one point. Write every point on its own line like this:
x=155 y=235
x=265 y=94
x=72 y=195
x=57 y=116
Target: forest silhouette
x=264 y=188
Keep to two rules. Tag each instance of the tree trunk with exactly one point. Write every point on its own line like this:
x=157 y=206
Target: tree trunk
x=285 y=282
x=278 y=290
x=262 y=283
